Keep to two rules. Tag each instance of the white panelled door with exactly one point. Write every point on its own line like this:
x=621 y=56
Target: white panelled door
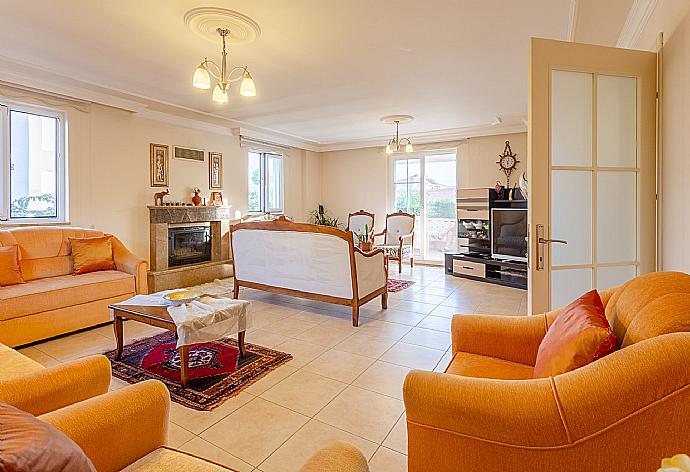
x=592 y=159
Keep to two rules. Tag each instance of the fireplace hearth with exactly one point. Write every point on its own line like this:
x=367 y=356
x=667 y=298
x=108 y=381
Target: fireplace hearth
x=188 y=245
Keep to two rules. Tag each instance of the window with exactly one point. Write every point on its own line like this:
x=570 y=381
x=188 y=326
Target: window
x=407 y=178
x=265 y=182
x=32 y=182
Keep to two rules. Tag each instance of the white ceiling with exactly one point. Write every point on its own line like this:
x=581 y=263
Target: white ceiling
x=325 y=70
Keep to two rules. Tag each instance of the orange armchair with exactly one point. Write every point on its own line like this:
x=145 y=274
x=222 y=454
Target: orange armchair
x=627 y=410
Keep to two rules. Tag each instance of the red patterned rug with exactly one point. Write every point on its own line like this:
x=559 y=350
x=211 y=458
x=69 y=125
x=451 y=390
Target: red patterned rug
x=395 y=285
x=216 y=371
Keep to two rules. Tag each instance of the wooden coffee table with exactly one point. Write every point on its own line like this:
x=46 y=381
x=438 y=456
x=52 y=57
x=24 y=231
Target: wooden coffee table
x=156 y=316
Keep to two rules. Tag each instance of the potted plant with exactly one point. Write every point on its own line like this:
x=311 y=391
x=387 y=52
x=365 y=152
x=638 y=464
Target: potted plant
x=320 y=217
x=365 y=242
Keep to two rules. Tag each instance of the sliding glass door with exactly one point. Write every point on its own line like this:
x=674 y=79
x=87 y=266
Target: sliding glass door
x=425 y=186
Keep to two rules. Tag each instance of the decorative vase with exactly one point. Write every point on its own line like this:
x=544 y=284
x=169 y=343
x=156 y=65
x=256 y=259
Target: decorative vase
x=196 y=199
x=365 y=246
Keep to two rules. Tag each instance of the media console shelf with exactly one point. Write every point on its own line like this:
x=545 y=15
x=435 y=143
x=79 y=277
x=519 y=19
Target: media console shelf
x=486 y=269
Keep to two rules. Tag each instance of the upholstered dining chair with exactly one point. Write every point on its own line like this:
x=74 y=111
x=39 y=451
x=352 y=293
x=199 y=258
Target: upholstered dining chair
x=358 y=221
x=398 y=237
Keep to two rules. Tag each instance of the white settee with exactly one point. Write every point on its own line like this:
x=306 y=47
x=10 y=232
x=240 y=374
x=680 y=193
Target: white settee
x=308 y=261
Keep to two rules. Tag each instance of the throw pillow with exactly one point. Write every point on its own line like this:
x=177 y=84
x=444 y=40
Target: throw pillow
x=27 y=444
x=92 y=254
x=580 y=334
x=10 y=272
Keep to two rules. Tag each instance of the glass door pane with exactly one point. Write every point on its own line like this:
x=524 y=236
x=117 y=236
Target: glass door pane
x=407 y=193
x=440 y=223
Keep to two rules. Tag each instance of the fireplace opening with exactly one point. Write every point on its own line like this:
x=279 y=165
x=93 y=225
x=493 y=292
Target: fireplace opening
x=188 y=245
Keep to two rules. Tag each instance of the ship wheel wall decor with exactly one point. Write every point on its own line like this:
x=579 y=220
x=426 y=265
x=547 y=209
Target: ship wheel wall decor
x=507 y=162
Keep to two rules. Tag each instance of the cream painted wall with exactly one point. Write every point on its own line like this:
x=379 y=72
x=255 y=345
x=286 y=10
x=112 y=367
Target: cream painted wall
x=359 y=179
x=477 y=160
x=671 y=17
x=108 y=155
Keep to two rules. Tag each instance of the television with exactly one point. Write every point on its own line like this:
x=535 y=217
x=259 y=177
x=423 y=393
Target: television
x=509 y=234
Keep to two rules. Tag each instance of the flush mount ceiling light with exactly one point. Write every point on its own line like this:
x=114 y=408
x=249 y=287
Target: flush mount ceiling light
x=232 y=27
x=396 y=144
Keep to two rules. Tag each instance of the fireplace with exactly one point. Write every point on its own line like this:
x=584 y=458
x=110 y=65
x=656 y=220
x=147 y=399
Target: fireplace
x=188 y=245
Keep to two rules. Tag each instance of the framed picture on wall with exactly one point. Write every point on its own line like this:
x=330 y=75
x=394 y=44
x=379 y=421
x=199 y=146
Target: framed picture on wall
x=215 y=170
x=160 y=168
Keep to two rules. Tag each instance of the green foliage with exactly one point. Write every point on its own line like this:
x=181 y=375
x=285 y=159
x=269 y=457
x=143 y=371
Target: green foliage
x=20 y=206
x=320 y=217
x=442 y=208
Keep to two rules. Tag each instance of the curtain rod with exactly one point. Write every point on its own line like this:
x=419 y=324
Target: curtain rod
x=262 y=142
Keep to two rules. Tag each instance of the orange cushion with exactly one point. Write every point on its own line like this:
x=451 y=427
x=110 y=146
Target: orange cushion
x=10 y=273
x=92 y=254
x=469 y=364
x=580 y=334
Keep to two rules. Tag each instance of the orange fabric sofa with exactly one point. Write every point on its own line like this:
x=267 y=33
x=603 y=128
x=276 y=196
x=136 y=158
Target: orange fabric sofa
x=53 y=301
x=625 y=411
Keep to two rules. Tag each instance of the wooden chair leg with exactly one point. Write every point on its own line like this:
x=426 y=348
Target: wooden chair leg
x=411 y=261
x=355 y=315
x=400 y=265
x=236 y=292
x=384 y=300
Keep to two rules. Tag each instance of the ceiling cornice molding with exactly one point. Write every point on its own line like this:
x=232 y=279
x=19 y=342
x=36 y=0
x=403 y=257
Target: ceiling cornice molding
x=638 y=16
x=572 y=20
x=453 y=134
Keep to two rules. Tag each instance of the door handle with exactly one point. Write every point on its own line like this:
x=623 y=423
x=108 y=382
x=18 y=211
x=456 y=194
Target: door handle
x=559 y=241
x=541 y=243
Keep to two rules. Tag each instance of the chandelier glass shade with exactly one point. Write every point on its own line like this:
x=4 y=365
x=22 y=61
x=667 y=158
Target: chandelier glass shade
x=204 y=73
x=396 y=144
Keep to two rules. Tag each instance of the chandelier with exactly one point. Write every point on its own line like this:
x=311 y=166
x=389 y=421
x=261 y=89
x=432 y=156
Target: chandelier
x=202 y=76
x=396 y=144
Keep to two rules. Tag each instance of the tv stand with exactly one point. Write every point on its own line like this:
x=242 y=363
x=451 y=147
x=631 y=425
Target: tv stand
x=486 y=269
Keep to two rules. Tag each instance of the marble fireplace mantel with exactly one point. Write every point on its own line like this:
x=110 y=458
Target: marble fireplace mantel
x=162 y=277
x=188 y=214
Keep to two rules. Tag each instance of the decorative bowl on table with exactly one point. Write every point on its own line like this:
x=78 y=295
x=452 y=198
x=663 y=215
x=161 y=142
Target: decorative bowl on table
x=180 y=297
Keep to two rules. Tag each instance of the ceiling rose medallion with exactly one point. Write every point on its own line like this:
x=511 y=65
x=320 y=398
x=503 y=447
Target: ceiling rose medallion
x=397 y=144
x=233 y=28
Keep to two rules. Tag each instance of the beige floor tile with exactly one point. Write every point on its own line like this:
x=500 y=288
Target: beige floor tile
x=408 y=318
x=441 y=291
x=197 y=421
x=415 y=357
x=339 y=365
x=254 y=431
x=438 y=323
x=384 y=329
x=117 y=384
x=417 y=307
x=423 y=297
x=387 y=460
x=270 y=317
x=292 y=455
x=367 y=414
x=177 y=435
x=265 y=338
x=75 y=345
x=289 y=327
x=271 y=379
x=324 y=335
x=364 y=345
x=39 y=356
x=302 y=352
x=206 y=450
x=443 y=363
x=304 y=392
x=445 y=311
x=383 y=377
x=428 y=338
x=397 y=438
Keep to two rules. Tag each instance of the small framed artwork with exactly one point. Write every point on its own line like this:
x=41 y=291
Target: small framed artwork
x=160 y=164
x=216 y=199
x=215 y=170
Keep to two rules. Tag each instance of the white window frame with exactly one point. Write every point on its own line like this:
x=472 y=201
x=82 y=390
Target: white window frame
x=264 y=181
x=61 y=192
